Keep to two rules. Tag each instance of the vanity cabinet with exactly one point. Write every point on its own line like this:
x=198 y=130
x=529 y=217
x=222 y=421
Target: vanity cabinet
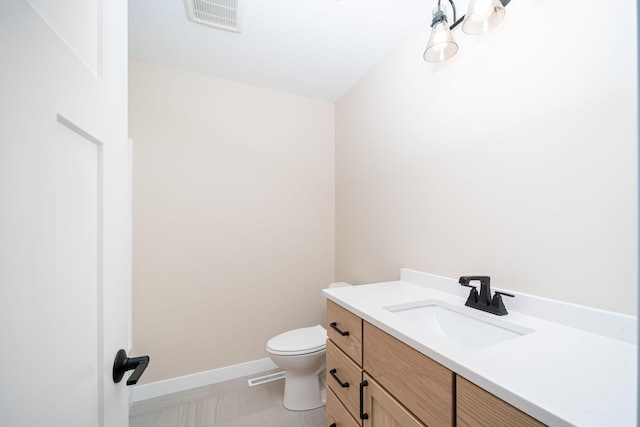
x=394 y=385
x=477 y=407
x=400 y=387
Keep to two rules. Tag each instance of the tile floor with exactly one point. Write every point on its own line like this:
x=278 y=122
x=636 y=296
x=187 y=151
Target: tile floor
x=229 y=404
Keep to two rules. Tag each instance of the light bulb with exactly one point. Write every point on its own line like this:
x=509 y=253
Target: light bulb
x=482 y=16
x=481 y=8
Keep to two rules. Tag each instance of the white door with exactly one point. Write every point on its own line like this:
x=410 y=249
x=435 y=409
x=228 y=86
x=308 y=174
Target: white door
x=64 y=212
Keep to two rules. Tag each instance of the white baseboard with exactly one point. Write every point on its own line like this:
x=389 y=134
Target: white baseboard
x=174 y=385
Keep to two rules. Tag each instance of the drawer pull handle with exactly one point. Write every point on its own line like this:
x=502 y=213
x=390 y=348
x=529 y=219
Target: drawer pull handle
x=363 y=416
x=335 y=377
x=334 y=326
x=333 y=425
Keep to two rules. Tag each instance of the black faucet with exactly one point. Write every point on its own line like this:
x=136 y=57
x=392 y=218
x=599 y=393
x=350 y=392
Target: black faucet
x=484 y=301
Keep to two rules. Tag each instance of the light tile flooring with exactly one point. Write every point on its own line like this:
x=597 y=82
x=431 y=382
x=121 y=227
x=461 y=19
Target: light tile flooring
x=229 y=404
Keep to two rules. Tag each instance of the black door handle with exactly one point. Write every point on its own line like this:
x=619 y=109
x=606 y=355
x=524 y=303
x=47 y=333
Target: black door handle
x=123 y=364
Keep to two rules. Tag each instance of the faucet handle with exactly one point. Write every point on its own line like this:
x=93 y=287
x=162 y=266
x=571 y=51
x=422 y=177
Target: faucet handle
x=505 y=294
x=473 y=294
x=498 y=305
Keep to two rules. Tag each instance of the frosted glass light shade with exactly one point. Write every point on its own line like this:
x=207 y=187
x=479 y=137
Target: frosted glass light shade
x=482 y=16
x=441 y=45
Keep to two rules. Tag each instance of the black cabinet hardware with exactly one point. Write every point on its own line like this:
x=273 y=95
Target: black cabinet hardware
x=335 y=377
x=334 y=326
x=363 y=416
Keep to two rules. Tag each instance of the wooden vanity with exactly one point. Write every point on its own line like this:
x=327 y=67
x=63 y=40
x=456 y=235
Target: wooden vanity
x=375 y=380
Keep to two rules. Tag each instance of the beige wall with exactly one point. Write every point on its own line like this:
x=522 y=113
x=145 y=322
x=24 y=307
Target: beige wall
x=233 y=216
x=518 y=159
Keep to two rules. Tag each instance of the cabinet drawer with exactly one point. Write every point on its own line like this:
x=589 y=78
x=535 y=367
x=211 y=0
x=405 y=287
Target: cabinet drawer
x=346 y=372
x=423 y=386
x=477 y=407
x=337 y=415
x=350 y=341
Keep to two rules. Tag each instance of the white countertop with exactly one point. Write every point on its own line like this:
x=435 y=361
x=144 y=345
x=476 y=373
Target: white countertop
x=560 y=375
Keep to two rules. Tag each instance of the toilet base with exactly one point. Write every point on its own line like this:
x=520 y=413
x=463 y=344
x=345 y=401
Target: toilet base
x=302 y=393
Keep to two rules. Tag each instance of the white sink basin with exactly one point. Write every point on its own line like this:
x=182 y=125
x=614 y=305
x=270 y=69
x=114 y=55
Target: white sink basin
x=459 y=324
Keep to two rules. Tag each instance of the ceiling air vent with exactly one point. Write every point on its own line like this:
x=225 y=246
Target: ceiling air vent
x=222 y=14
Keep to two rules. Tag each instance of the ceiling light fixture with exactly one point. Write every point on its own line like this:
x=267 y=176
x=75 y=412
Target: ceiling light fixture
x=481 y=16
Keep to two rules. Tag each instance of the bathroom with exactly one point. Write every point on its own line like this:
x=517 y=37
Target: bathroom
x=516 y=159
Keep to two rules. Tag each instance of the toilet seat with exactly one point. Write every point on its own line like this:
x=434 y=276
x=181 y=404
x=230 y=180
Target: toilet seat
x=299 y=341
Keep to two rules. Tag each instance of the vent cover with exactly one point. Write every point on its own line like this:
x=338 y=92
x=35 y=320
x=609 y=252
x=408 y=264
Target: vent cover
x=266 y=378
x=222 y=14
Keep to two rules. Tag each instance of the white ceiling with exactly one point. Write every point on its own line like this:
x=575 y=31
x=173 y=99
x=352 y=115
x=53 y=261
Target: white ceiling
x=314 y=48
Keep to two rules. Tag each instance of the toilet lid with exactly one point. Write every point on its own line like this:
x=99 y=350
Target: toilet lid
x=299 y=341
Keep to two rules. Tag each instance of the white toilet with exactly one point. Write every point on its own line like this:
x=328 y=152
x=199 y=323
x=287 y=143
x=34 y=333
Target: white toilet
x=301 y=353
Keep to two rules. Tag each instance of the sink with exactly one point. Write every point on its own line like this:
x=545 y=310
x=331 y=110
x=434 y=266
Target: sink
x=458 y=324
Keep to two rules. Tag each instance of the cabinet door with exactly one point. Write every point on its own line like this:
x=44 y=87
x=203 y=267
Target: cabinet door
x=479 y=408
x=422 y=385
x=382 y=410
